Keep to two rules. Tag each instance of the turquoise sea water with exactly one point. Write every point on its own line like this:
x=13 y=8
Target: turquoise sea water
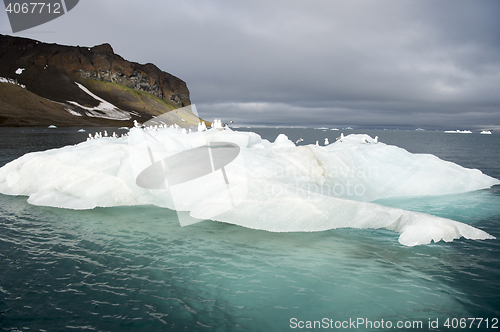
x=136 y=269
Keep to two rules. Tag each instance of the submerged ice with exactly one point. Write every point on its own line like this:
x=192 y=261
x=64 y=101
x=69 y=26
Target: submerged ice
x=274 y=186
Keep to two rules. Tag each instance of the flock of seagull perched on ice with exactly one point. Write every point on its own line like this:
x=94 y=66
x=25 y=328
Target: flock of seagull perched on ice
x=217 y=124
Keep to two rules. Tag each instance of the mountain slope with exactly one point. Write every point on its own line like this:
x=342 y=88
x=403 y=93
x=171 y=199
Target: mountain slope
x=87 y=83
x=20 y=107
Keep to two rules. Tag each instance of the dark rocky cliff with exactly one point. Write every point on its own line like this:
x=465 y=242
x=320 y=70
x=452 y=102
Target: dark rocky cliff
x=51 y=71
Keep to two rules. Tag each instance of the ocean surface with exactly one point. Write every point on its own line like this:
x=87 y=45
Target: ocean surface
x=136 y=269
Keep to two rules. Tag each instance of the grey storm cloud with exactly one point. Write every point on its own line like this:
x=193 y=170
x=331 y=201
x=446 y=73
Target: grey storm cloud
x=419 y=63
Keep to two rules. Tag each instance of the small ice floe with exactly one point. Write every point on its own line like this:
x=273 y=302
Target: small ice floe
x=458 y=131
x=486 y=132
x=52 y=126
x=81 y=130
x=19 y=71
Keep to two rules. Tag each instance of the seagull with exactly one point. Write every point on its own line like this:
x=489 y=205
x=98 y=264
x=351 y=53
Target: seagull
x=326 y=141
x=317 y=143
x=376 y=139
x=341 y=137
x=299 y=140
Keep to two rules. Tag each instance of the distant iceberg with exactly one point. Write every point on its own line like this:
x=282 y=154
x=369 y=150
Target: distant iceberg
x=458 y=131
x=485 y=132
x=274 y=186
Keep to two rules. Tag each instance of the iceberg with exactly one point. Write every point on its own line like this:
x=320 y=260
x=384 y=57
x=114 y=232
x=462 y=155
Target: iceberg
x=273 y=186
x=458 y=131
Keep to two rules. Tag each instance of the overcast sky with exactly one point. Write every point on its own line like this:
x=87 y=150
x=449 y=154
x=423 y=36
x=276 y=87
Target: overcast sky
x=365 y=64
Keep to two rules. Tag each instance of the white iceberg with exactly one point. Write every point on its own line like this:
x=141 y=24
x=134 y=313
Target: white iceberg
x=276 y=186
x=458 y=131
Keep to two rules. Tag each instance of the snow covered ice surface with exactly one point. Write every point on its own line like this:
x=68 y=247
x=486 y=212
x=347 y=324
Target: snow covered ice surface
x=274 y=186
x=104 y=110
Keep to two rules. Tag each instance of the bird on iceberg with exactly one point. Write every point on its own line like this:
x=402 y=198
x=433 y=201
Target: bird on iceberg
x=341 y=137
x=202 y=126
x=299 y=140
x=376 y=139
x=326 y=141
x=217 y=124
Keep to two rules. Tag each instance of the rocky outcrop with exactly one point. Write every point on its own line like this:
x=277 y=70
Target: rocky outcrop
x=51 y=71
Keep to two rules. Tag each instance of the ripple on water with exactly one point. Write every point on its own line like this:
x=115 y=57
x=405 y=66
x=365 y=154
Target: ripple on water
x=134 y=268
